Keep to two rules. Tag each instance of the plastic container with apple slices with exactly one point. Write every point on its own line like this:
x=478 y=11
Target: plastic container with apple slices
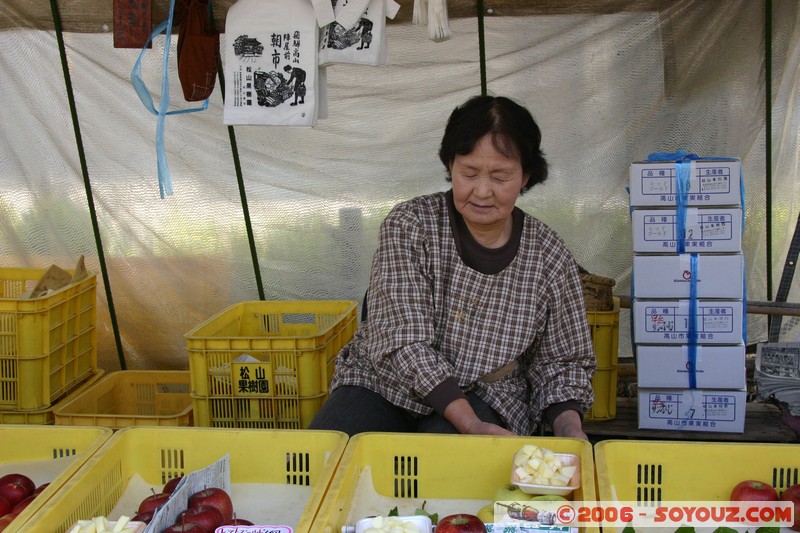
x=421 y=523
x=567 y=459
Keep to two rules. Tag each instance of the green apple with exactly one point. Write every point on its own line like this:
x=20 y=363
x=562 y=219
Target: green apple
x=549 y=498
x=509 y=492
x=486 y=514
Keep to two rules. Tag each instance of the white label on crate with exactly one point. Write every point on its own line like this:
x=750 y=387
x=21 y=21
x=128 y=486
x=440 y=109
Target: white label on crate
x=217 y=474
x=705 y=230
x=662 y=182
x=667 y=321
x=710 y=319
x=683 y=409
x=699 y=227
x=710 y=183
x=252 y=379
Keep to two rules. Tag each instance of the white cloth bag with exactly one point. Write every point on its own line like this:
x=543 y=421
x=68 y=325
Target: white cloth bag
x=270 y=61
x=358 y=35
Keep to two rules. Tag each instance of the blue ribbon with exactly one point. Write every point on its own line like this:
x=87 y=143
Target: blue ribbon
x=744 y=269
x=164 y=180
x=633 y=296
x=692 y=327
x=683 y=178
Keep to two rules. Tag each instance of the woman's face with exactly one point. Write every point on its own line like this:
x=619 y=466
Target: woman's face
x=486 y=185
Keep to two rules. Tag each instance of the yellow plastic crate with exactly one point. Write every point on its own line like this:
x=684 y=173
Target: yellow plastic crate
x=292 y=348
x=47 y=344
x=451 y=473
x=23 y=444
x=131 y=398
x=47 y=416
x=649 y=472
x=604 y=326
x=287 y=460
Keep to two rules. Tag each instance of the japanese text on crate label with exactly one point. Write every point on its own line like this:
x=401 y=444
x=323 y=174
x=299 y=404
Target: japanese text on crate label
x=252 y=379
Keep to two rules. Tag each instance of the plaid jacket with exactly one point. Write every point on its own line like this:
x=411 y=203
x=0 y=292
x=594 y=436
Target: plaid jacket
x=432 y=317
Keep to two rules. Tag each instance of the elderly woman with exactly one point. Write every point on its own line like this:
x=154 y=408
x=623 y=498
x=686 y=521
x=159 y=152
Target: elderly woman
x=476 y=320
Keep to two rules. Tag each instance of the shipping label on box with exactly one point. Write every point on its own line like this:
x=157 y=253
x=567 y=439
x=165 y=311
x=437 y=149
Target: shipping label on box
x=712 y=229
x=668 y=366
x=670 y=276
x=692 y=409
x=710 y=183
x=667 y=321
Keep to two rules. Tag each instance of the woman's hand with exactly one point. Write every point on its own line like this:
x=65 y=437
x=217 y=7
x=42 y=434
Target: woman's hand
x=462 y=416
x=487 y=428
x=568 y=424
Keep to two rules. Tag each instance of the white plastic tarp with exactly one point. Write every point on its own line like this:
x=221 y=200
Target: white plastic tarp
x=606 y=89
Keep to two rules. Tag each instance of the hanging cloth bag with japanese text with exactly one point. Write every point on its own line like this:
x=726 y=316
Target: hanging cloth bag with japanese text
x=358 y=35
x=270 y=61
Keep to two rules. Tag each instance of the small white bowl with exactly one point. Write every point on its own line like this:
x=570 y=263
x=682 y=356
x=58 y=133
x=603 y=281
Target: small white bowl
x=574 y=483
x=422 y=522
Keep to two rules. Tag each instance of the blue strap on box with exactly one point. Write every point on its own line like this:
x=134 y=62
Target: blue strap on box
x=683 y=165
x=692 y=328
x=633 y=295
x=164 y=181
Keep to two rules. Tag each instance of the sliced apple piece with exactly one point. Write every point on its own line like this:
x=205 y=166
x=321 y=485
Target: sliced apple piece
x=568 y=471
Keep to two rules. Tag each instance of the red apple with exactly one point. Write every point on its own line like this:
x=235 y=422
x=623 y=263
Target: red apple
x=215 y=497
x=751 y=490
x=24 y=503
x=204 y=515
x=16 y=487
x=239 y=522
x=792 y=494
x=40 y=488
x=5 y=506
x=186 y=527
x=6 y=520
x=170 y=486
x=460 y=523
x=145 y=517
x=153 y=502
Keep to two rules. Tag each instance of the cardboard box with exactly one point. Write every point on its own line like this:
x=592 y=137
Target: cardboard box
x=670 y=276
x=667 y=321
x=667 y=366
x=654 y=183
x=692 y=409
x=706 y=230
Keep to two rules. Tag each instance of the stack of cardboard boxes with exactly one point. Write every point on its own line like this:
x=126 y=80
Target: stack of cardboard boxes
x=688 y=305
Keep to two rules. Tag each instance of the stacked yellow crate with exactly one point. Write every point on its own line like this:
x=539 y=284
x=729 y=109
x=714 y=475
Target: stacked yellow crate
x=48 y=344
x=604 y=327
x=130 y=398
x=267 y=364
